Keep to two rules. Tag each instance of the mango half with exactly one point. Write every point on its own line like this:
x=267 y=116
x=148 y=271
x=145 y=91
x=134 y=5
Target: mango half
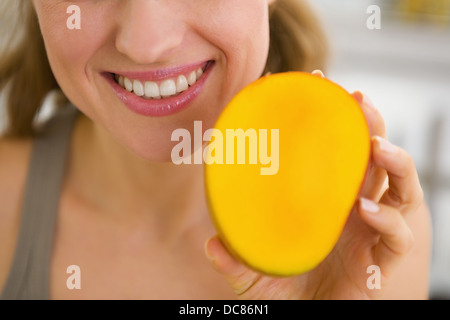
x=286 y=223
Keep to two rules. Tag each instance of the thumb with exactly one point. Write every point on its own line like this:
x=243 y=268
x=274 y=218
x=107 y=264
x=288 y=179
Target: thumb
x=239 y=277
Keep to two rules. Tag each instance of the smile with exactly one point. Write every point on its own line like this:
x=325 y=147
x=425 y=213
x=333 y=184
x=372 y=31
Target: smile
x=160 y=89
x=160 y=92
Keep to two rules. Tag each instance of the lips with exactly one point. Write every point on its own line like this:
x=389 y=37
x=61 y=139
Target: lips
x=160 y=92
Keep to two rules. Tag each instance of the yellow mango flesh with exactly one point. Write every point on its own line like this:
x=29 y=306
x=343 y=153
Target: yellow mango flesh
x=287 y=223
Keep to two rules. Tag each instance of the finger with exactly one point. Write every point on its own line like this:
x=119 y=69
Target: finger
x=376 y=177
x=404 y=190
x=374 y=119
x=238 y=276
x=376 y=183
x=318 y=73
x=396 y=238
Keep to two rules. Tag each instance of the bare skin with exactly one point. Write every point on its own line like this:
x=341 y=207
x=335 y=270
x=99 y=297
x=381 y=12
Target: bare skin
x=128 y=256
x=135 y=223
x=124 y=252
x=396 y=238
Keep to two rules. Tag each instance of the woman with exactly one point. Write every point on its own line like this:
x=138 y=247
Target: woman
x=101 y=191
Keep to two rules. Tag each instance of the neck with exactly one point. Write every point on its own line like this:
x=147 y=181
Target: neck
x=120 y=183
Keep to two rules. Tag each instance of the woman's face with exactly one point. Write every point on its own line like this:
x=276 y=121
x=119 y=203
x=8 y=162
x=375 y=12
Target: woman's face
x=156 y=43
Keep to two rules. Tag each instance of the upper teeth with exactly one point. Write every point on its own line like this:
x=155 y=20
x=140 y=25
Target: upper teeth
x=167 y=88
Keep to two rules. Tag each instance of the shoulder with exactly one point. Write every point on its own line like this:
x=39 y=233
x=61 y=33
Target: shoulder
x=14 y=160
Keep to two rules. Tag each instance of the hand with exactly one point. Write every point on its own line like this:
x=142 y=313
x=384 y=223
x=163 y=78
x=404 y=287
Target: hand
x=376 y=233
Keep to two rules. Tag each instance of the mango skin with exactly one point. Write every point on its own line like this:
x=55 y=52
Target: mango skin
x=286 y=224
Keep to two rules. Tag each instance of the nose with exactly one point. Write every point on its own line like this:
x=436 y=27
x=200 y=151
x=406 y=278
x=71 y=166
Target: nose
x=148 y=31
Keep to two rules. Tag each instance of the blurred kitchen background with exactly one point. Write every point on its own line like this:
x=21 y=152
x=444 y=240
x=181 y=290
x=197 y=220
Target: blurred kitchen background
x=404 y=67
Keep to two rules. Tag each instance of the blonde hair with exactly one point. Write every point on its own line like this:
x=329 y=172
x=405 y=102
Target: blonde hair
x=297 y=40
x=297 y=43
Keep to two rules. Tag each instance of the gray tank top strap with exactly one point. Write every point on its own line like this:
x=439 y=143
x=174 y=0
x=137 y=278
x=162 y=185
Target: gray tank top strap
x=29 y=274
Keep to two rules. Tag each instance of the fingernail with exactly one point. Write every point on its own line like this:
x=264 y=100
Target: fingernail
x=359 y=96
x=367 y=102
x=369 y=205
x=318 y=73
x=385 y=145
x=208 y=254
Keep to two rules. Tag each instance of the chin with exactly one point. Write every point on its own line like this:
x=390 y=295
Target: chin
x=156 y=148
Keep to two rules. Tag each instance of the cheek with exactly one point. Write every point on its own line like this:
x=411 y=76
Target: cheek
x=69 y=51
x=248 y=32
x=241 y=30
